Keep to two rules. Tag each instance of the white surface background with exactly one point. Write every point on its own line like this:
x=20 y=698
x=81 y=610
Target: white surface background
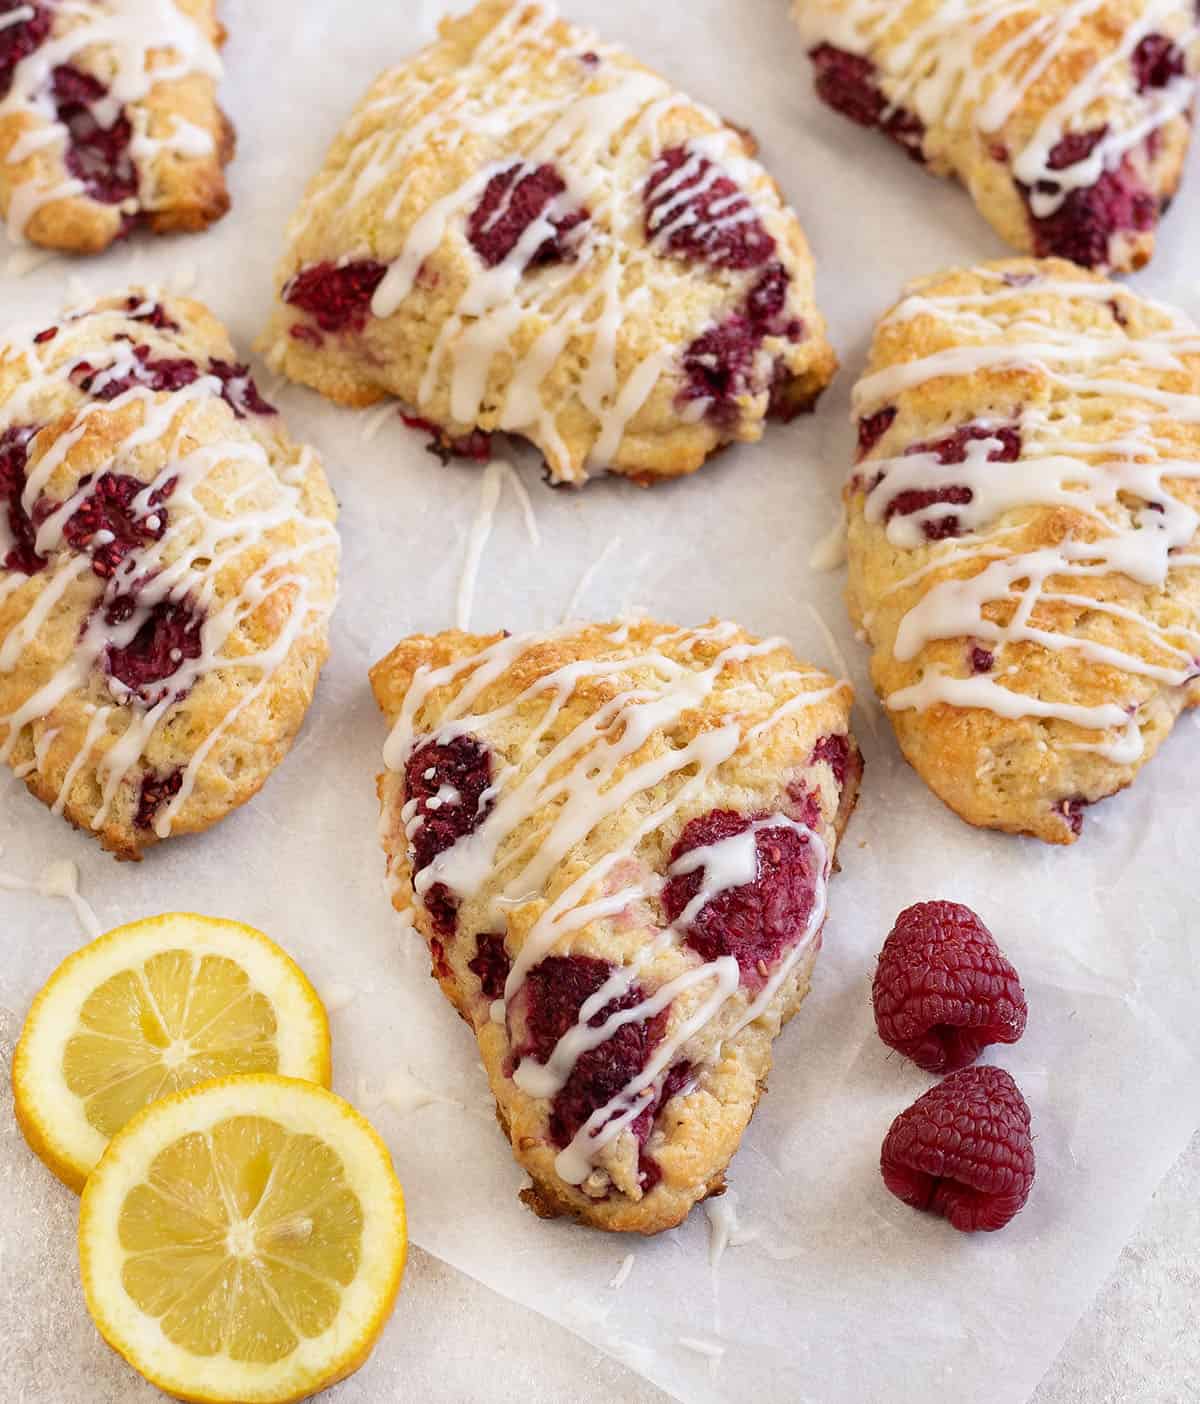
x=846 y=1295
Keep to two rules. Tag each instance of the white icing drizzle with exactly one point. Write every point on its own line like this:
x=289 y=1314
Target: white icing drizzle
x=594 y=125
x=1126 y=489
x=621 y=1276
x=404 y=1092
x=576 y=783
x=182 y=566
x=59 y=879
x=830 y=551
x=939 y=70
x=611 y=546
x=495 y=475
x=144 y=43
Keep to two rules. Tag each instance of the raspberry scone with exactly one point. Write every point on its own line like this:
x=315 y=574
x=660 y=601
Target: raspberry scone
x=1067 y=120
x=109 y=119
x=168 y=564
x=616 y=840
x=522 y=229
x=1023 y=536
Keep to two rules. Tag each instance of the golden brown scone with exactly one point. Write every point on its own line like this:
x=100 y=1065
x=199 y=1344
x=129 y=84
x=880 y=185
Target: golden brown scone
x=109 y=119
x=1068 y=123
x=617 y=839
x=523 y=229
x=168 y=565
x=1022 y=544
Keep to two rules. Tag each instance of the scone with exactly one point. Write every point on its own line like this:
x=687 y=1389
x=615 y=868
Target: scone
x=168 y=564
x=1023 y=536
x=1069 y=123
x=616 y=840
x=109 y=119
x=522 y=229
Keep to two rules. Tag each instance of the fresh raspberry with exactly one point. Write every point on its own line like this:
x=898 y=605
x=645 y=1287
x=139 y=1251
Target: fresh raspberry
x=447 y=780
x=336 y=295
x=155 y=792
x=510 y=203
x=554 y=992
x=951 y=450
x=169 y=636
x=1156 y=61
x=835 y=752
x=702 y=216
x=108 y=508
x=491 y=964
x=848 y=83
x=872 y=428
x=18 y=41
x=758 y=921
x=942 y=989
x=963 y=1151
x=14 y=449
x=96 y=155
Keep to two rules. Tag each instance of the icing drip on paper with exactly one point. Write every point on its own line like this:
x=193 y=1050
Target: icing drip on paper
x=575 y=785
x=1127 y=491
x=58 y=879
x=559 y=209
x=150 y=552
x=127 y=33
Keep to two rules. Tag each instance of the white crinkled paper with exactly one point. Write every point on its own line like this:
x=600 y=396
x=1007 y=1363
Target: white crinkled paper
x=835 y=1293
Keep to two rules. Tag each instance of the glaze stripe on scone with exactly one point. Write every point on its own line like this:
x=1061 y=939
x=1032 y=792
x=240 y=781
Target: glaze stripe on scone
x=1023 y=536
x=523 y=229
x=168 y=565
x=109 y=118
x=617 y=839
x=1067 y=120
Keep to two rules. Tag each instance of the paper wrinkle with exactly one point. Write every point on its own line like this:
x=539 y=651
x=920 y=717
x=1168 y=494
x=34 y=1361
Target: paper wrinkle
x=846 y=1295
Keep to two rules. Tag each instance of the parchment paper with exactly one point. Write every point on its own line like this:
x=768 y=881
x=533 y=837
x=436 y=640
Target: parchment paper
x=844 y=1295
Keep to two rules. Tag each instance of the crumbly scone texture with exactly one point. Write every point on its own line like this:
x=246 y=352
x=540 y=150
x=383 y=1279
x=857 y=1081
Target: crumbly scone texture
x=542 y=797
x=522 y=229
x=168 y=563
x=1068 y=124
x=1022 y=547
x=80 y=167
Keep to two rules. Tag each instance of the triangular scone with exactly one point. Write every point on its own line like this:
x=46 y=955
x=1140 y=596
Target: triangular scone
x=109 y=118
x=1069 y=123
x=168 y=565
x=1024 y=554
x=523 y=229
x=617 y=839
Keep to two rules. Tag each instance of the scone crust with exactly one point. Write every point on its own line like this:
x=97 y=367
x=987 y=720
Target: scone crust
x=1106 y=640
x=580 y=352
x=231 y=543
x=181 y=138
x=1007 y=105
x=779 y=769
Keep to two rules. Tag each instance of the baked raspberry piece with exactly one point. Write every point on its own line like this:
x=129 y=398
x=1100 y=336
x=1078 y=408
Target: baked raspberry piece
x=491 y=963
x=156 y=790
x=943 y=991
x=835 y=752
x=19 y=40
x=108 y=509
x=872 y=428
x=337 y=296
x=848 y=83
x=698 y=212
x=1083 y=226
x=238 y=389
x=555 y=991
x=21 y=554
x=97 y=154
x=758 y=921
x=1156 y=61
x=951 y=450
x=447 y=782
x=983 y=660
x=963 y=1151
x=169 y=636
x=166 y=373
x=155 y=315
x=510 y=203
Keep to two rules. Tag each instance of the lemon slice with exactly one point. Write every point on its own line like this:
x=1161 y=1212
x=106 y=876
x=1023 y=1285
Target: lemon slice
x=243 y=1240
x=149 y=1009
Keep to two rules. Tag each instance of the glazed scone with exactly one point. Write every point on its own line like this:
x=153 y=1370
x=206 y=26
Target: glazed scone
x=168 y=563
x=109 y=119
x=1068 y=123
x=1023 y=536
x=616 y=840
x=522 y=229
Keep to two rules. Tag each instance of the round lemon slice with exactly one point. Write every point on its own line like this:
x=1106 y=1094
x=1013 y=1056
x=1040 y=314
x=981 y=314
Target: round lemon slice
x=243 y=1240
x=152 y=1008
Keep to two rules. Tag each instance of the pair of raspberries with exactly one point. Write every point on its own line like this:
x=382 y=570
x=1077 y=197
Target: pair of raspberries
x=942 y=992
